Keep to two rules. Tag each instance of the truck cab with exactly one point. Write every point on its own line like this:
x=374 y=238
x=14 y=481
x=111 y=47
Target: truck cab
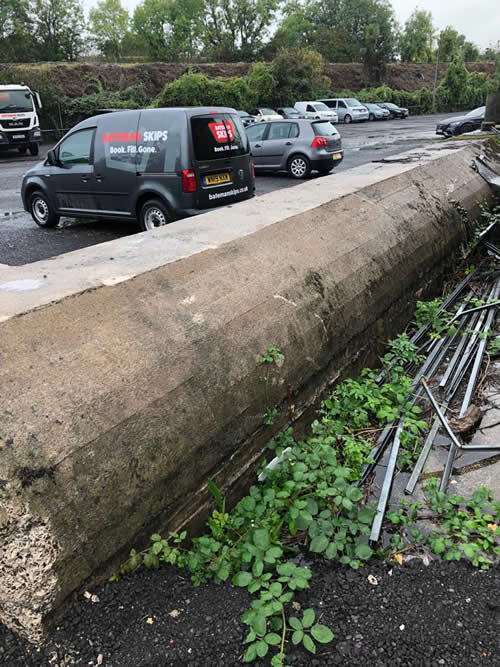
x=19 y=124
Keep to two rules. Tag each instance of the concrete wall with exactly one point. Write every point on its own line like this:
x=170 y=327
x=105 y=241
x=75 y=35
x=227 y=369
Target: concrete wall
x=129 y=371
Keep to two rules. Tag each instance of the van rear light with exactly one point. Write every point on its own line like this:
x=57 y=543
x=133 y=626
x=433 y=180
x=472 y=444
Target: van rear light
x=253 y=169
x=188 y=180
x=318 y=142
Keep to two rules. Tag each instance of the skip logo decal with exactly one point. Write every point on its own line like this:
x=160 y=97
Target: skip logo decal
x=222 y=132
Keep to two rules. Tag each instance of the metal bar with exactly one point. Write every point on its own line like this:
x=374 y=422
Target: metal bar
x=386 y=486
x=458 y=352
x=492 y=248
x=376 y=453
x=479 y=358
x=447 y=428
x=448 y=468
x=419 y=465
x=470 y=345
x=474 y=310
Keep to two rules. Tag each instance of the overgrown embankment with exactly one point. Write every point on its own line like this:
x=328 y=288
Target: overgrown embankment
x=74 y=91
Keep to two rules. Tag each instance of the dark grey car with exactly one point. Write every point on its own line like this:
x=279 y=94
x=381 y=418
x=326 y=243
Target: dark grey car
x=297 y=146
x=152 y=165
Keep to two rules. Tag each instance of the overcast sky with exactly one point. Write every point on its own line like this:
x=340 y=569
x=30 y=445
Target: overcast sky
x=478 y=20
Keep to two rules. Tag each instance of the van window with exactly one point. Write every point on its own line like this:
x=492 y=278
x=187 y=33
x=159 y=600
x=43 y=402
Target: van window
x=352 y=102
x=310 y=108
x=77 y=148
x=218 y=136
x=342 y=104
x=330 y=103
x=159 y=142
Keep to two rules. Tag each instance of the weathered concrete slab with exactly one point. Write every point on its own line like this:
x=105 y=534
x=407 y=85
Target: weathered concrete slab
x=125 y=383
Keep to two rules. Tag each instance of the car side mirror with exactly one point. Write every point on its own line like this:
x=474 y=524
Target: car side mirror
x=52 y=158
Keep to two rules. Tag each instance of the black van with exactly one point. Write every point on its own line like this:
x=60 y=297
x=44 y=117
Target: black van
x=152 y=165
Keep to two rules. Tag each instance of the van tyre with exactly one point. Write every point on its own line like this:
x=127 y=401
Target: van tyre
x=153 y=214
x=41 y=210
x=347 y=119
x=371 y=117
x=34 y=150
x=299 y=166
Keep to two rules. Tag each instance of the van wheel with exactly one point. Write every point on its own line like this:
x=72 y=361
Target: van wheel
x=299 y=166
x=371 y=117
x=41 y=210
x=153 y=214
x=34 y=149
x=347 y=118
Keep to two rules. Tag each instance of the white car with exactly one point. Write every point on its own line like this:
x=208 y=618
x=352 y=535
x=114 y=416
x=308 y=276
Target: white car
x=316 y=111
x=263 y=113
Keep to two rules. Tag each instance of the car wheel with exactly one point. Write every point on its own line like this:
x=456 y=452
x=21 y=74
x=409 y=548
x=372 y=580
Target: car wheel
x=41 y=210
x=34 y=150
x=153 y=214
x=299 y=166
x=371 y=117
x=347 y=118
x=22 y=150
x=466 y=127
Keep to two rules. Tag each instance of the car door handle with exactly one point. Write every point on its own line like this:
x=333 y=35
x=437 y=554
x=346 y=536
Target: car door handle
x=85 y=179
x=257 y=146
x=288 y=143
x=98 y=178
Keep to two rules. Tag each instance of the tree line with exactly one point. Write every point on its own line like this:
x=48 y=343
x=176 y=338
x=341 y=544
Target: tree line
x=226 y=31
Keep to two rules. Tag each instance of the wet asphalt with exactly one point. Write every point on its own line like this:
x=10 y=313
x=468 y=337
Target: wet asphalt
x=22 y=242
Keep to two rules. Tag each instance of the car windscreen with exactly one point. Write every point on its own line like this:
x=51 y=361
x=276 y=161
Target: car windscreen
x=15 y=100
x=351 y=102
x=390 y=105
x=267 y=112
x=324 y=129
x=218 y=136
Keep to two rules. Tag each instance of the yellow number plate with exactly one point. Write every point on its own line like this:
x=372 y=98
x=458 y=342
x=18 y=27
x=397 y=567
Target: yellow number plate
x=216 y=179
x=337 y=156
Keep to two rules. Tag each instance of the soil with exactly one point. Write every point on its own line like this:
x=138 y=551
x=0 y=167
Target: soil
x=77 y=79
x=440 y=614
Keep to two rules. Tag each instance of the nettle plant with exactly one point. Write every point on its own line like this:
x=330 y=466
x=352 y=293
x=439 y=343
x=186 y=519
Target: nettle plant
x=465 y=527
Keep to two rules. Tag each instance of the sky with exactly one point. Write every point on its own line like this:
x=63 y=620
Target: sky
x=478 y=20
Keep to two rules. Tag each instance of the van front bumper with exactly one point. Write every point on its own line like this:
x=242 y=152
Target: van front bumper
x=21 y=138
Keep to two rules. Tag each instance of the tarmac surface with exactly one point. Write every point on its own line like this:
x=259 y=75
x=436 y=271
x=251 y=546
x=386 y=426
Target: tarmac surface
x=414 y=616
x=23 y=242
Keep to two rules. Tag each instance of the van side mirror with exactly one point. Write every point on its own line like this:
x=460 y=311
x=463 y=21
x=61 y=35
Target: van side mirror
x=52 y=158
x=38 y=100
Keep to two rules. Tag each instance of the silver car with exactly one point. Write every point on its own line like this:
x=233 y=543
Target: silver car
x=348 y=109
x=375 y=112
x=297 y=146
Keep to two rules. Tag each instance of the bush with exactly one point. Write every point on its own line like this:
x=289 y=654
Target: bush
x=299 y=75
x=196 y=89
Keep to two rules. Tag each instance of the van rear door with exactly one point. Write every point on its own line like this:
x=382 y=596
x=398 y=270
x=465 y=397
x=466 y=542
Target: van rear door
x=222 y=161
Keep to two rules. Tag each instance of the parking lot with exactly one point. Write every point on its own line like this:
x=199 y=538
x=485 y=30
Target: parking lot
x=23 y=242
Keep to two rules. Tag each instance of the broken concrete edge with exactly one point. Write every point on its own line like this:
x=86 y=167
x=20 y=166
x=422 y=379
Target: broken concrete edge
x=10 y=214
x=119 y=403
x=23 y=288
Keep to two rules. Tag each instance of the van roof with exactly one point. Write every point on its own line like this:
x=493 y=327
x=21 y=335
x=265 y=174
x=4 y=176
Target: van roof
x=13 y=86
x=189 y=111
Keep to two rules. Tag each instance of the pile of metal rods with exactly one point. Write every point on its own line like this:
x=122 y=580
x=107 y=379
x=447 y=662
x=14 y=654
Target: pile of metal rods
x=450 y=360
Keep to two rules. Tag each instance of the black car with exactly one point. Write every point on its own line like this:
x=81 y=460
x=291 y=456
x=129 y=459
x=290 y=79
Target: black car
x=246 y=118
x=451 y=127
x=152 y=166
x=289 y=112
x=394 y=110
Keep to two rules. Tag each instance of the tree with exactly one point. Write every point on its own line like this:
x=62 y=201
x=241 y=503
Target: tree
x=58 y=29
x=299 y=74
x=170 y=30
x=108 y=24
x=417 y=38
x=236 y=29
x=450 y=44
x=470 y=52
x=16 y=44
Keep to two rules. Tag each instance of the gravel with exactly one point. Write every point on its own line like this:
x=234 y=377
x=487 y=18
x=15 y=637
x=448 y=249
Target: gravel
x=442 y=614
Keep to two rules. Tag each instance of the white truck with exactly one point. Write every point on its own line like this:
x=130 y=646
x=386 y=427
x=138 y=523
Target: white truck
x=19 y=125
